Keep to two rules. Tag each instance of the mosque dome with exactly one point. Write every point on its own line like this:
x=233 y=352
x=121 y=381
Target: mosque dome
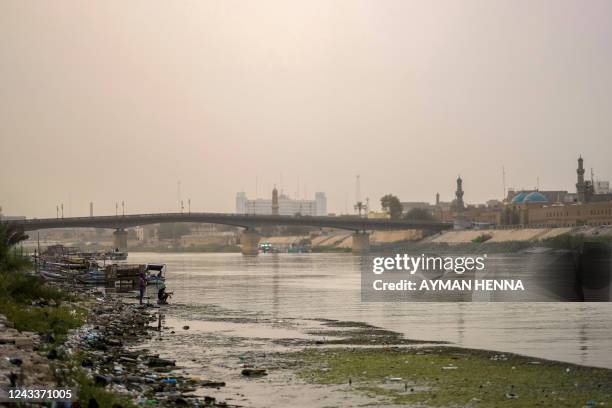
x=535 y=197
x=519 y=198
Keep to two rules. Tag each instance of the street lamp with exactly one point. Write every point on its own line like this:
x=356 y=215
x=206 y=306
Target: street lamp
x=116 y=208
x=123 y=207
x=189 y=205
x=62 y=210
x=57 y=211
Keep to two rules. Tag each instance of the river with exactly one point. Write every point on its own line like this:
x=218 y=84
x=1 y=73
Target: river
x=316 y=286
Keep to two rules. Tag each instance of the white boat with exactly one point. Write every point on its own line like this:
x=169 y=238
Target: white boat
x=155 y=273
x=52 y=275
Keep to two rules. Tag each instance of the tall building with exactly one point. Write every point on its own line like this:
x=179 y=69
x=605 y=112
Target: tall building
x=275 y=206
x=588 y=190
x=321 y=203
x=285 y=205
x=583 y=188
x=241 y=203
x=458 y=204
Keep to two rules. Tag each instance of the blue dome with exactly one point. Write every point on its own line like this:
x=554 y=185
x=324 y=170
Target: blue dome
x=519 y=198
x=535 y=197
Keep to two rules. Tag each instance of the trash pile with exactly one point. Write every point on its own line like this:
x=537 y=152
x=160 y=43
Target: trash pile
x=103 y=351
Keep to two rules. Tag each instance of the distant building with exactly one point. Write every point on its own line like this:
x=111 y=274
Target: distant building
x=321 y=203
x=590 y=205
x=241 y=203
x=275 y=206
x=494 y=203
x=458 y=204
x=552 y=196
x=282 y=205
x=11 y=217
x=378 y=214
x=586 y=190
x=602 y=187
x=559 y=214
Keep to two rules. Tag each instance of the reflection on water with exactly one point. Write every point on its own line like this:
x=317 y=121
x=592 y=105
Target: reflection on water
x=328 y=286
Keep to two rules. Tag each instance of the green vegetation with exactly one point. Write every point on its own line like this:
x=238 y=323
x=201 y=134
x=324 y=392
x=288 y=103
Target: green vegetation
x=574 y=241
x=392 y=205
x=53 y=320
x=90 y=394
x=32 y=305
x=10 y=258
x=27 y=300
x=330 y=249
x=482 y=238
x=419 y=214
x=458 y=248
x=445 y=376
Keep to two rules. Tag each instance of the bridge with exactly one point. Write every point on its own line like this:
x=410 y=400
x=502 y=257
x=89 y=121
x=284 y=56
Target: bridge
x=250 y=237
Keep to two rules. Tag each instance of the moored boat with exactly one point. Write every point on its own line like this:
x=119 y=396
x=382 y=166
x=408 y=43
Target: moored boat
x=155 y=273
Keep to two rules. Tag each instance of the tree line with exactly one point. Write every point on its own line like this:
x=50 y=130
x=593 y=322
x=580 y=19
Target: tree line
x=392 y=206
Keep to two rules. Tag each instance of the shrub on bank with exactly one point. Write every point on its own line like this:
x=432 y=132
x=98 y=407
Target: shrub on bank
x=482 y=238
x=32 y=305
x=572 y=242
x=25 y=288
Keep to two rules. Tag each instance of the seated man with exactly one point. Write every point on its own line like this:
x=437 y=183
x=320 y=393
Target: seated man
x=162 y=296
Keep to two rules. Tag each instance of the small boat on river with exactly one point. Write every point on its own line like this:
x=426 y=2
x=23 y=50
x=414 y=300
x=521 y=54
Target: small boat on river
x=155 y=273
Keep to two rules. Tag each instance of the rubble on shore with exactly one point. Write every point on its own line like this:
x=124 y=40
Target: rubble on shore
x=102 y=349
x=20 y=362
x=98 y=359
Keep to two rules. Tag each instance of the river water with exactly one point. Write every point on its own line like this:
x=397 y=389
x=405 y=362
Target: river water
x=315 y=286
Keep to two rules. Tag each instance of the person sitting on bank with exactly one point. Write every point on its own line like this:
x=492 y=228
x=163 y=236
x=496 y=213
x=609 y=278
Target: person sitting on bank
x=162 y=295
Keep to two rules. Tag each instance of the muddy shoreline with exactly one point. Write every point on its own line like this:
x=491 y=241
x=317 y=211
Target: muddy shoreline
x=206 y=355
x=302 y=370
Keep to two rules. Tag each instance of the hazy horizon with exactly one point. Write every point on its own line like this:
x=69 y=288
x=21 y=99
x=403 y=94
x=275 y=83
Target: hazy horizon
x=118 y=101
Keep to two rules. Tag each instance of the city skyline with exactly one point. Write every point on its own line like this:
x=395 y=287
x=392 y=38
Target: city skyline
x=109 y=102
x=259 y=192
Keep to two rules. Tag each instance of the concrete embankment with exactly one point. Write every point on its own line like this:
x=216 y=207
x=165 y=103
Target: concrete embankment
x=497 y=235
x=341 y=240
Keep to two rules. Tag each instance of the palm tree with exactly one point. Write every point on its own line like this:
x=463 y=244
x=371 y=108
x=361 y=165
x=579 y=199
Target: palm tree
x=10 y=236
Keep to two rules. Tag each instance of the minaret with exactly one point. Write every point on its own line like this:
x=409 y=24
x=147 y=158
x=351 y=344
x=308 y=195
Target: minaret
x=275 y=201
x=459 y=194
x=437 y=199
x=581 y=185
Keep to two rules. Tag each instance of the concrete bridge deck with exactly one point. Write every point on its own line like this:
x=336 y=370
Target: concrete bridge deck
x=250 y=237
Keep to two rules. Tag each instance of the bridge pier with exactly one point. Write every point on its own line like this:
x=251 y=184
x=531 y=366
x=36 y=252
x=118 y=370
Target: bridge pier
x=120 y=239
x=249 y=242
x=361 y=243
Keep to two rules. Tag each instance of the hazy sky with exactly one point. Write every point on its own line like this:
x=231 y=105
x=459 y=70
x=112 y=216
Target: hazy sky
x=106 y=101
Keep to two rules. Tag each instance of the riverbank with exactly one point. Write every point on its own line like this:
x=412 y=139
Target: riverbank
x=323 y=362
x=81 y=339
x=36 y=322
